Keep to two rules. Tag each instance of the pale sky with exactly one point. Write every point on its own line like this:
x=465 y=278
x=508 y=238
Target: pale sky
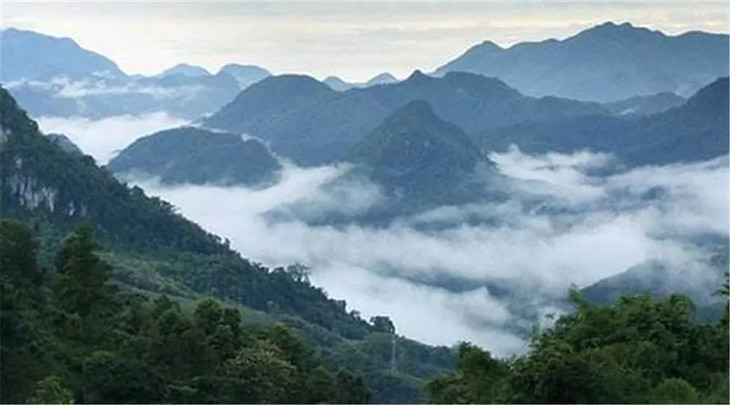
x=352 y=40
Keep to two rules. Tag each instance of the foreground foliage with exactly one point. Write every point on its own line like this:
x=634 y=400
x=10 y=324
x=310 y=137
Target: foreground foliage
x=638 y=350
x=74 y=337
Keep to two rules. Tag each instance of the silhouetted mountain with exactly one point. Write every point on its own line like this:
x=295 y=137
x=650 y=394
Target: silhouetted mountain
x=307 y=121
x=28 y=55
x=337 y=84
x=661 y=280
x=383 y=78
x=55 y=77
x=696 y=130
x=245 y=75
x=186 y=70
x=605 y=63
x=645 y=105
x=197 y=156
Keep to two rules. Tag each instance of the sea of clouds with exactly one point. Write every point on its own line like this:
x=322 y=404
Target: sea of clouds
x=570 y=220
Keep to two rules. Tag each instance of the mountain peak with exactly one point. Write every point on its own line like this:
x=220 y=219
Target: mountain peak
x=416 y=75
x=186 y=70
x=382 y=78
x=611 y=28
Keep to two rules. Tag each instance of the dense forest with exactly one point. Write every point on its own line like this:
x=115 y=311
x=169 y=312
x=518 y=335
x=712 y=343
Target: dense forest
x=71 y=336
x=637 y=350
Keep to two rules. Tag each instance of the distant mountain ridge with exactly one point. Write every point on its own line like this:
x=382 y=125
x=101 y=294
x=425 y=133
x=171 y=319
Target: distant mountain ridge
x=28 y=55
x=696 y=130
x=186 y=70
x=645 y=105
x=309 y=122
x=335 y=83
x=605 y=63
x=52 y=76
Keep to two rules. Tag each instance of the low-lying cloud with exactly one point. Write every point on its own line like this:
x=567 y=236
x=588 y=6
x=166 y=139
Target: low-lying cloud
x=562 y=226
x=441 y=275
x=104 y=138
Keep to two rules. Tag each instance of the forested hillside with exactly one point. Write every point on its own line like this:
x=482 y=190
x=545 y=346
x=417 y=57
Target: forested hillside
x=154 y=250
x=69 y=336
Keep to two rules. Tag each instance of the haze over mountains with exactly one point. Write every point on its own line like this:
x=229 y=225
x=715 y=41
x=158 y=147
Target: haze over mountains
x=69 y=81
x=605 y=63
x=462 y=204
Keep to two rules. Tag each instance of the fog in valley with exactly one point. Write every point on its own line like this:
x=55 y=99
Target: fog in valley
x=441 y=275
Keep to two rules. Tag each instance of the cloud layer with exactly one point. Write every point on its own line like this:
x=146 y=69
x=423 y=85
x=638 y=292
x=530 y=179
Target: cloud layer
x=483 y=272
x=563 y=227
x=104 y=138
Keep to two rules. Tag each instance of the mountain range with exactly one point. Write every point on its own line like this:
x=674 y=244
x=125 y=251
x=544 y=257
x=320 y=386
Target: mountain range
x=306 y=121
x=605 y=63
x=335 y=83
x=696 y=130
x=56 y=77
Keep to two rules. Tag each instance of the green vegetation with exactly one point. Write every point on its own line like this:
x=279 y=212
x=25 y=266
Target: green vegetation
x=151 y=250
x=638 y=350
x=74 y=337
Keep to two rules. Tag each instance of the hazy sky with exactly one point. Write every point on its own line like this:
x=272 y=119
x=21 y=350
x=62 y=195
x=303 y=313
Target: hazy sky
x=349 y=39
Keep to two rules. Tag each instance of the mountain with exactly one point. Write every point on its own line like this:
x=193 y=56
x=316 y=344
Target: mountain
x=335 y=83
x=153 y=250
x=245 y=75
x=645 y=105
x=383 y=78
x=416 y=153
x=197 y=156
x=660 y=280
x=696 y=130
x=186 y=70
x=605 y=63
x=309 y=122
x=53 y=76
x=28 y=55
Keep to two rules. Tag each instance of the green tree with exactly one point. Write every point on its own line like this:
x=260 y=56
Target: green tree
x=81 y=285
x=50 y=390
x=350 y=388
x=382 y=324
x=320 y=386
x=259 y=374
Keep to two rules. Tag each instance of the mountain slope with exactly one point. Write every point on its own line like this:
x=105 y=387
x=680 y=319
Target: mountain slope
x=307 y=121
x=186 y=70
x=27 y=55
x=155 y=251
x=197 y=156
x=245 y=75
x=605 y=63
x=645 y=105
x=414 y=152
x=696 y=130
x=53 y=76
